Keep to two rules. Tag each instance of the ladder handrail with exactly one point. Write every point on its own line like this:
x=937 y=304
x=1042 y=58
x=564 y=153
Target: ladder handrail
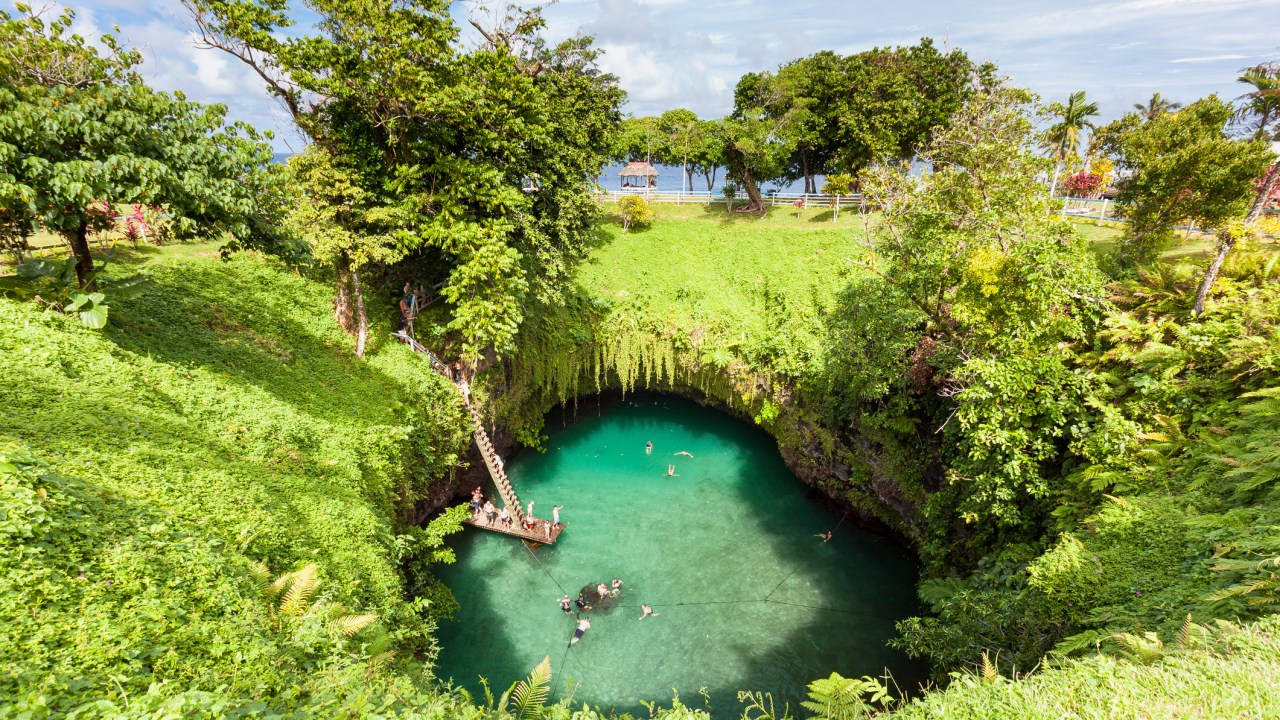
x=487 y=453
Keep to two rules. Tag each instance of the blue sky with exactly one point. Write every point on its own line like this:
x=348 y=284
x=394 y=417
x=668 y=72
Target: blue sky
x=690 y=53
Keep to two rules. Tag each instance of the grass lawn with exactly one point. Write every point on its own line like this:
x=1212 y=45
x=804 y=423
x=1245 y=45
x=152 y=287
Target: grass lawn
x=1104 y=241
x=698 y=266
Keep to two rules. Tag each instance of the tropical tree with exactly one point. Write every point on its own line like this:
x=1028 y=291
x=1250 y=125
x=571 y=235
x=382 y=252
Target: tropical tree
x=846 y=112
x=641 y=139
x=443 y=140
x=756 y=137
x=681 y=128
x=79 y=128
x=1182 y=166
x=707 y=154
x=1063 y=137
x=1156 y=106
x=1258 y=111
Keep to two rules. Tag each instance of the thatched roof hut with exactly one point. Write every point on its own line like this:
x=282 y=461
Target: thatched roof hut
x=638 y=175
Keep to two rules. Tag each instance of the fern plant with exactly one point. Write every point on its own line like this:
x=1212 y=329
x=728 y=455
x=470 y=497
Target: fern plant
x=841 y=698
x=526 y=699
x=289 y=596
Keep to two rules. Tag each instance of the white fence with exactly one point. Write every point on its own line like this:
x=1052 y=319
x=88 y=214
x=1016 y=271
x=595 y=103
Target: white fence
x=692 y=197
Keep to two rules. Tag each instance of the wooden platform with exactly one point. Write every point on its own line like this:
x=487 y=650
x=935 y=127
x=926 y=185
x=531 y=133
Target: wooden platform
x=536 y=535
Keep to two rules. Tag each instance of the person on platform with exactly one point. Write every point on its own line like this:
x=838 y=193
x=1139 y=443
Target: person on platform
x=555 y=514
x=504 y=516
x=489 y=512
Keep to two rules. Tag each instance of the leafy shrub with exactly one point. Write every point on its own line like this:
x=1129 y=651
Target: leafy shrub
x=636 y=211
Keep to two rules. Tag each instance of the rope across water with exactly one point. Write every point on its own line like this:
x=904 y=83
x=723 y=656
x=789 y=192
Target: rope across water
x=765 y=599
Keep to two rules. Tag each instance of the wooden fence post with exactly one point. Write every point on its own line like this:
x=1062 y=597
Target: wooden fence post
x=836 y=213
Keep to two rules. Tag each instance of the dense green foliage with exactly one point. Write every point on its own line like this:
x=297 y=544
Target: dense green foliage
x=80 y=130
x=216 y=423
x=441 y=143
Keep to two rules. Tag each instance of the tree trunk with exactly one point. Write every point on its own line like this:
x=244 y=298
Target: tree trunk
x=362 y=317
x=84 y=260
x=804 y=170
x=755 y=203
x=1226 y=240
x=343 y=304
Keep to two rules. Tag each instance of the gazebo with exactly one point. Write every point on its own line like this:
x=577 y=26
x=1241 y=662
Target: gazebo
x=638 y=176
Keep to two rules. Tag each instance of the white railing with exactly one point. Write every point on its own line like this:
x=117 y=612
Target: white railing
x=693 y=197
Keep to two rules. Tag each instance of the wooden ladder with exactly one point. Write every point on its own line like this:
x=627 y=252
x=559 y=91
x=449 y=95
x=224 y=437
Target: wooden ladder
x=490 y=456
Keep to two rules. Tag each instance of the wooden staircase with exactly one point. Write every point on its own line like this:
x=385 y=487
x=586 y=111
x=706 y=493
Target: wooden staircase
x=496 y=472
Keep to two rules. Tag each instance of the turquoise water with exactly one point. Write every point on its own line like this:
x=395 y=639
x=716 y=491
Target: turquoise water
x=705 y=549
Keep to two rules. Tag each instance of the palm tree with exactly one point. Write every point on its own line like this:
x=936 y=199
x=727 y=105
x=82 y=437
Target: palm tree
x=1156 y=107
x=1065 y=134
x=1259 y=109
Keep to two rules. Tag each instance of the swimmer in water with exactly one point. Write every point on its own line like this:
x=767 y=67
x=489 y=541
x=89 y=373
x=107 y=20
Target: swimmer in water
x=584 y=624
x=825 y=536
x=602 y=590
x=647 y=611
x=686 y=453
x=648 y=448
x=566 y=605
x=617 y=584
x=671 y=471
x=581 y=603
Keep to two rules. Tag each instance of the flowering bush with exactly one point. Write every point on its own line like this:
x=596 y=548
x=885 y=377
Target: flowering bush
x=1083 y=184
x=1274 y=199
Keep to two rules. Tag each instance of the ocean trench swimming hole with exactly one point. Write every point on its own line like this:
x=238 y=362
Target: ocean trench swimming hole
x=725 y=552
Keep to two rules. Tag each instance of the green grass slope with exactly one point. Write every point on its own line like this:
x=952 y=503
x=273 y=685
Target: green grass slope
x=1231 y=676
x=219 y=420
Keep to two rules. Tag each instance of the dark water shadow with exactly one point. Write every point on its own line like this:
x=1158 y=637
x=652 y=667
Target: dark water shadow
x=501 y=666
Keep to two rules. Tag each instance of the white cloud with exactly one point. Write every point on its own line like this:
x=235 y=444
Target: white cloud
x=1210 y=58
x=690 y=53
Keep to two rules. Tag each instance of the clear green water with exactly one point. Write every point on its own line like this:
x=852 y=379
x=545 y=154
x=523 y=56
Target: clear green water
x=733 y=528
